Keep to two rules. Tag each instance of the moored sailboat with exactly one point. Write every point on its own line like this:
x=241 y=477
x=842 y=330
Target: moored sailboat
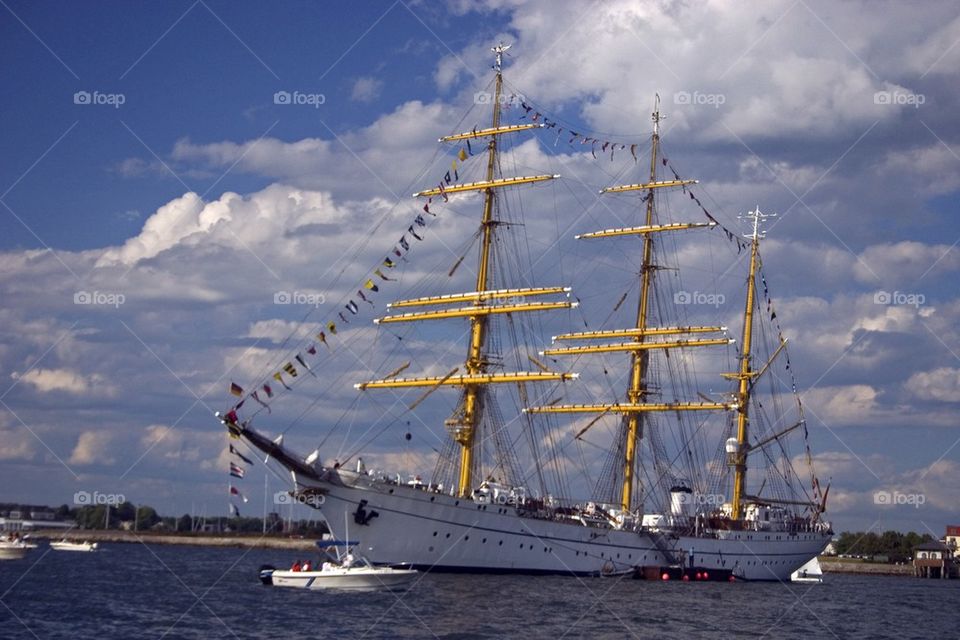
x=477 y=514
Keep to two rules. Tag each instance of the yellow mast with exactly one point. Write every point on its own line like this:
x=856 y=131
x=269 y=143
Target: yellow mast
x=640 y=346
x=475 y=364
x=738 y=457
x=638 y=359
x=478 y=304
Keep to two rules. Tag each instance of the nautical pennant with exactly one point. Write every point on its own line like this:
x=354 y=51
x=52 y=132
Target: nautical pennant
x=279 y=378
x=233 y=450
x=256 y=396
x=236 y=470
x=236 y=492
x=236 y=389
x=370 y=284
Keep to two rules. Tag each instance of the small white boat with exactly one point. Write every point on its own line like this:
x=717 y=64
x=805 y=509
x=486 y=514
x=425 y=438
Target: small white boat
x=349 y=571
x=809 y=573
x=14 y=549
x=69 y=545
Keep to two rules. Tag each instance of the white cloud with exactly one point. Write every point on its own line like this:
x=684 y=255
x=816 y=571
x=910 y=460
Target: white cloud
x=942 y=384
x=48 y=380
x=366 y=89
x=93 y=447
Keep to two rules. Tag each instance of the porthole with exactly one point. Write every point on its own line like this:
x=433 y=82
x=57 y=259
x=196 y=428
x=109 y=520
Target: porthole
x=457 y=503
x=432 y=498
x=500 y=544
x=434 y=534
x=465 y=538
x=448 y=535
x=391 y=490
x=484 y=541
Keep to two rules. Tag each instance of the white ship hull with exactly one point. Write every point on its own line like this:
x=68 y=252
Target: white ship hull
x=438 y=532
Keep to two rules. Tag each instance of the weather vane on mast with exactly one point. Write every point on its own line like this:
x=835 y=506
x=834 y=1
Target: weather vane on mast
x=500 y=49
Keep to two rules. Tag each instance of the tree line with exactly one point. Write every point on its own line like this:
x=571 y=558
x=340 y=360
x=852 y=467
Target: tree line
x=896 y=546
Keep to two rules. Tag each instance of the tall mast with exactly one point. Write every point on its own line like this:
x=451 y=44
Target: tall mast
x=635 y=340
x=746 y=373
x=478 y=304
x=638 y=359
x=475 y=364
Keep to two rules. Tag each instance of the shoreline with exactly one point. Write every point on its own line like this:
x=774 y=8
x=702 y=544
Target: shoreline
x=865 y=568
x=256 y=541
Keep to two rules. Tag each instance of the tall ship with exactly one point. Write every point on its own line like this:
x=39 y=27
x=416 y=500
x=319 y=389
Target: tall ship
x=700 y=469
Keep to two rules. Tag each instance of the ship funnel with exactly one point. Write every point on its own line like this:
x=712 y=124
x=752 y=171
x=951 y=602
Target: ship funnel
x=681 y=497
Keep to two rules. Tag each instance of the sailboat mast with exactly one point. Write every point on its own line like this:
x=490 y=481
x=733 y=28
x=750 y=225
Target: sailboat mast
x=745 y=375
x=475 y=364
x=639 y=358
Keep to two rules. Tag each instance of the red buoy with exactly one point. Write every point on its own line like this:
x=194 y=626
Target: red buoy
x=706 y=576
x=665 y=576
x=732 y=579
x=686 y=578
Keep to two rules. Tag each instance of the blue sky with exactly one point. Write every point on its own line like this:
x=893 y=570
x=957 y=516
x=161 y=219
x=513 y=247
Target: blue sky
x=198 y=198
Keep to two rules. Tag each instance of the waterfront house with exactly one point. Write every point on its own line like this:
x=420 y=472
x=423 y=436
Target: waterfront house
x=933 y=560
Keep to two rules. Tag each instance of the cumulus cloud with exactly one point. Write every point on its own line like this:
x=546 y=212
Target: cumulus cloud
x=93 y=447
x=941 y=384
x=49 y=380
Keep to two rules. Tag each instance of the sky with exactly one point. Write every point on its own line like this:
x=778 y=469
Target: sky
x=158 y=192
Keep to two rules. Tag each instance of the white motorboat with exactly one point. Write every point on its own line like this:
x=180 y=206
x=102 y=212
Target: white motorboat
x=348 y=572
x=14 y=549
x=809 y=573
x=71 y=545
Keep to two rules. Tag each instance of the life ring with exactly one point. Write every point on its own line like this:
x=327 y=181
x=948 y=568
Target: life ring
x=607 y=568
x=502 y=498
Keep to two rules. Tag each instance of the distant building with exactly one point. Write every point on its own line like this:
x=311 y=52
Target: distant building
x=19 y=524
x=933 y=560
x=952 y=538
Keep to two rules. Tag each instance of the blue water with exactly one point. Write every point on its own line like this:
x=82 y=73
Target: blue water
x=136 y=591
